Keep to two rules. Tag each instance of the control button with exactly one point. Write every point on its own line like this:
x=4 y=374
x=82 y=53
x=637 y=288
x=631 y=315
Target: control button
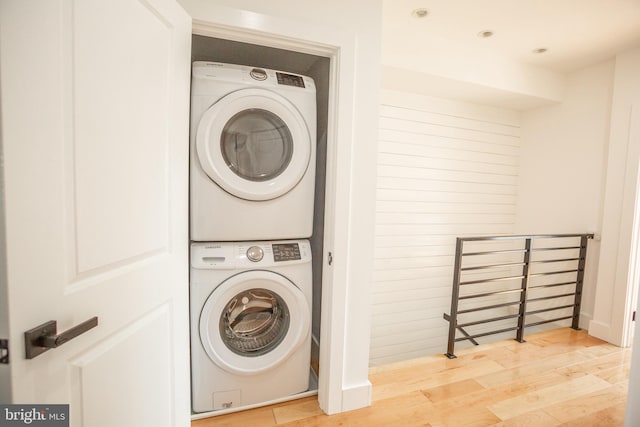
x=258 y=74
x=255 y=253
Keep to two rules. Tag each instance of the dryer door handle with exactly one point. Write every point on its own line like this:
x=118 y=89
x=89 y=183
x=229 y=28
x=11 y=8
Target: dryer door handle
x=45 y=337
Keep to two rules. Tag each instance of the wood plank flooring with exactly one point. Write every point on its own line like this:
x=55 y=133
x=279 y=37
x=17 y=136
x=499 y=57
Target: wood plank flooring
x=557 y=378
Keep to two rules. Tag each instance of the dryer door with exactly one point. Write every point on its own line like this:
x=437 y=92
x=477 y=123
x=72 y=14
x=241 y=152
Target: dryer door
x=254 y=144
x=253 y=322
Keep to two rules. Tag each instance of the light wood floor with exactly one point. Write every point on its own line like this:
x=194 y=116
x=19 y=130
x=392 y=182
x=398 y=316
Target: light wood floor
x=557 y=378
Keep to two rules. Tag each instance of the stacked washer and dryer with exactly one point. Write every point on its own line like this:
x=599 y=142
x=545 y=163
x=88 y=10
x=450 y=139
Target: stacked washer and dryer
x=252 y=177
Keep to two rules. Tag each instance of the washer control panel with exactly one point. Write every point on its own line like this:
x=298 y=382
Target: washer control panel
x=286 y=252
x=250 y=255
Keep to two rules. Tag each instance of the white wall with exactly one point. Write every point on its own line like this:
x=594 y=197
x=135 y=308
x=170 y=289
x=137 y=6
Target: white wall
x=354 y=28
x=560 y=177
x=562 y=166
x=563 y=158
x=445 y=169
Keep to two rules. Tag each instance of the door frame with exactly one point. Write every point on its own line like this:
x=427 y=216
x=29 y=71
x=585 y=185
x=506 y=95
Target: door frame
x=628 y=299
x=339 y=46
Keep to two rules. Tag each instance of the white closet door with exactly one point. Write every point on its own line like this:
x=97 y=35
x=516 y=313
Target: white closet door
x=95 y=104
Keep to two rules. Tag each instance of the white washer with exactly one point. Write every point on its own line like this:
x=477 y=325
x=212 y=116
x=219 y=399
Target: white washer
x=250 y=322
x=253 y=153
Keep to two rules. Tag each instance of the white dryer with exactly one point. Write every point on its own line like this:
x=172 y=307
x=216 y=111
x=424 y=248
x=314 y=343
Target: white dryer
x=250 y=305
x=253 y=150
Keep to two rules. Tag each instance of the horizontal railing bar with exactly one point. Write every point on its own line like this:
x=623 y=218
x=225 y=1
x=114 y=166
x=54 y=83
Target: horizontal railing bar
x=546 y=261
x=504 y=251
x=552 y=285
x=470 y=337
x=488 y=294
x=506 y=304
x=514 y=264
x=497 y=279
x=507 y=251
x=493 y=319
x=488 y=307
x=502 y=279
x=549 y=309
x=555 y=248
x=551 y=297
x=520 y=237
x=484 y=267
x=487 y=334
x=547 y=321
x=550 y=273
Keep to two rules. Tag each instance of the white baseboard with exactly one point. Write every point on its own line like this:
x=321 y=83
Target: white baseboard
x=585 y=320
x=356 y=397
x=600 y=330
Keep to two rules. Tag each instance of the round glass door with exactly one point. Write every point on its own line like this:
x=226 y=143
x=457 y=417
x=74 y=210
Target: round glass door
x=254 y=144
x=253 y=321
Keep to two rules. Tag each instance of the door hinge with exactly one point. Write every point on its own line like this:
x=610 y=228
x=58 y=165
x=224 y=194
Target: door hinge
x=4 y=352
x=633 y=318
x=330 y=258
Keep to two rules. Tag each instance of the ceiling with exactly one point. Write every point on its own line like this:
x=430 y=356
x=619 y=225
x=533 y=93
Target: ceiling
x=576 y=33
x=441 y=54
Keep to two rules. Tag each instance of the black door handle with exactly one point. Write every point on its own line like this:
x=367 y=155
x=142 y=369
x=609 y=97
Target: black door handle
x=45 y=337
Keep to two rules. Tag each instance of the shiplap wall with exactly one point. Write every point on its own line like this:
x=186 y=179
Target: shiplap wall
x=445 y=169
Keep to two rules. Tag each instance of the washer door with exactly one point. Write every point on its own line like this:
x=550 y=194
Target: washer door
x=254 y=144
x=253 y=322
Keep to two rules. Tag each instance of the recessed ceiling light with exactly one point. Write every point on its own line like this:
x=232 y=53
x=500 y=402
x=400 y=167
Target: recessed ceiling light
x=540 y=50
x=420 y=13
x=485 y=34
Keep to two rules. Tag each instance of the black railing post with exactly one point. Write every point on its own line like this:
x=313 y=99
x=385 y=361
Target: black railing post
x=524 y=287
x=575 y=323
x=453 y=314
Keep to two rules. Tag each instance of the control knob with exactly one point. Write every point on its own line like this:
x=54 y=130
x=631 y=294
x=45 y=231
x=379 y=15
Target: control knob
x=255 y=253
x=258 y=74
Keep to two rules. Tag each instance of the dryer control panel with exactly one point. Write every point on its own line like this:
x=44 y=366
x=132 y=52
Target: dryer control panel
x=289 y=79
x=234 y=255
x=252 y=76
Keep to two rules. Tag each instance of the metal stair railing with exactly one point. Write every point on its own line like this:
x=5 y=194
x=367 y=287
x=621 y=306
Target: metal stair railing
x=514 y=277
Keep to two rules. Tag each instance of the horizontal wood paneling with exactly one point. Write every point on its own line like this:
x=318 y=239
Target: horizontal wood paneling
x=445 y=170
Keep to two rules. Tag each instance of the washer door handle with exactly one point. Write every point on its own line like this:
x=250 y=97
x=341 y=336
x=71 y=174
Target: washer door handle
x=45 y=337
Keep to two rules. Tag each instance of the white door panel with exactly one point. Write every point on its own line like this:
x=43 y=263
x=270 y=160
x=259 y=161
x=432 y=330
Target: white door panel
x=120 y=137
x=142 y=349
x=95 y=103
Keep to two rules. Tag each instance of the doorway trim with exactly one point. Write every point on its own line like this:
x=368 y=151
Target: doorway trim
x=340 y=47
x=625 y=319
